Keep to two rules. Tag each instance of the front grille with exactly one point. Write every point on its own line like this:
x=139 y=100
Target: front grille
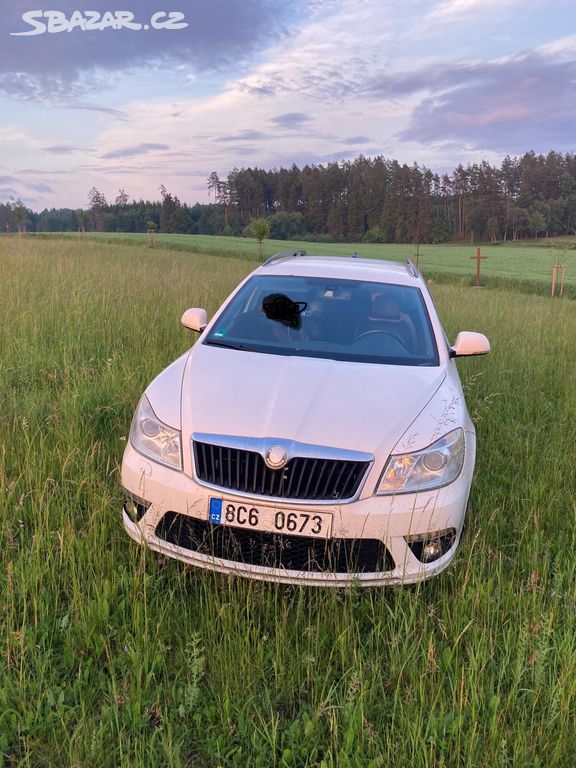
x=301 y=478
x=274 y=550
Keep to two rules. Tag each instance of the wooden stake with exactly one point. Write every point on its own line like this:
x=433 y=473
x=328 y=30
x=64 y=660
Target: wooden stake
x=417 y=257
x=558 y=272
x=478 y=258
x=151 y=238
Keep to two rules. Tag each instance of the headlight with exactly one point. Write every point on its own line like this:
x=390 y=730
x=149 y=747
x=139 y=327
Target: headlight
x=437 y=465
x=153 y=438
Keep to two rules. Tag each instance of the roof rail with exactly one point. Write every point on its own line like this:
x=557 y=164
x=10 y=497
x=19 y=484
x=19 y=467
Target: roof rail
x=411 y=269
x=284 y=255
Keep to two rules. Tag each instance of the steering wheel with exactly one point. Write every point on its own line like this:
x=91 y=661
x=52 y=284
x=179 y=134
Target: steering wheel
x=392 y=335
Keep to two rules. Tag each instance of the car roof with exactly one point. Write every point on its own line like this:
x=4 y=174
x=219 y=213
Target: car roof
x=343 y=267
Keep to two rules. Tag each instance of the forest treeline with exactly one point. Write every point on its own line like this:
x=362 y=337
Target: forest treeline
x=367 y=199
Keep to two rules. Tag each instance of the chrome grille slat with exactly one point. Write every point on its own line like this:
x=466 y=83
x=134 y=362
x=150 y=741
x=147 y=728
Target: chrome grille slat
x=246 y=471
x=329 y=479
x=300 y=479
x=311 y=471
x=291 y=477
x=339 y=478
x=350 y=479
x=303 y=477
x=255 y=481
x=320 y=473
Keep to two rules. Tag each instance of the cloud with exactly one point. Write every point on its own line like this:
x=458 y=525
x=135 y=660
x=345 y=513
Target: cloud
x=7 y=192
x=219 y=33
x=247 y=135
x=451 y=8
x=63 y=149
x=344 y=77
x=41 y=187
x=140 y=149
x=33 y=87
x=352 y=140
x=42 y=172
x=12 y=134
x=257 y=88
x=564 y=47
x=56 y=92
x=240 y=151
x=118 y=113
x=291 y=120
x=438 y=77
x=12 y=187
x=311 y=77
x=334 y=51
x=526 y=101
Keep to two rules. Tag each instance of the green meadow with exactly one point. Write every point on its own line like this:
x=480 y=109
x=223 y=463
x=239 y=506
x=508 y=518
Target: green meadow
x=526 y=264
x=115 y=658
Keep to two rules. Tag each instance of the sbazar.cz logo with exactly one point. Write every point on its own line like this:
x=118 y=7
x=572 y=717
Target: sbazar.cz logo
x=90 y=21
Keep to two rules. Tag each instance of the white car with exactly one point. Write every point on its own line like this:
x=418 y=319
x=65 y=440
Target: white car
x=316 y=432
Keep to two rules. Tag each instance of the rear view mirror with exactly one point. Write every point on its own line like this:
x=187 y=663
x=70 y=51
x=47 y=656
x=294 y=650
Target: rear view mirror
x=195 y=318
x=469 y=343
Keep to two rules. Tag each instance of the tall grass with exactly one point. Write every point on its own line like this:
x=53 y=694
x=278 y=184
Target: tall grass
x=525 y=266
x=113 y=657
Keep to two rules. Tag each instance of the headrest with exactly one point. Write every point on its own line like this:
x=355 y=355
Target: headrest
x=385 y=308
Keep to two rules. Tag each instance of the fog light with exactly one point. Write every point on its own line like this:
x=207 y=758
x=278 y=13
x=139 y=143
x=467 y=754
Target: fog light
x=431 y=550
x=135 y=507
x=430 y=546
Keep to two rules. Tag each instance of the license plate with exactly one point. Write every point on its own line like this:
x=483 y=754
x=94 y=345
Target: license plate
x=270 y=519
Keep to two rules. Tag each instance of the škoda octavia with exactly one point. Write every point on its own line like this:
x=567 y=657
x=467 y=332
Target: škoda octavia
x=315 y=433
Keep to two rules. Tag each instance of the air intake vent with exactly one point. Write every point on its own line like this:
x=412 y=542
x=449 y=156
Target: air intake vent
x=271 y=550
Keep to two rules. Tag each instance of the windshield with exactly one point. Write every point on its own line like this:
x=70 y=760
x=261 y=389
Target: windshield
x=318 y=317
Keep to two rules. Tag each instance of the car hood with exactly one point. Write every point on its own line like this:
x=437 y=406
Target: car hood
x=355 y=406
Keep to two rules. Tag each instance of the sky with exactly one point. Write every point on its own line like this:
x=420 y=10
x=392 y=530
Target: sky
x=133 y=95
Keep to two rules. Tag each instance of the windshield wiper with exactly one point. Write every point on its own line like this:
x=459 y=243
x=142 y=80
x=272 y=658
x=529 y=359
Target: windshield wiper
x=224 y=343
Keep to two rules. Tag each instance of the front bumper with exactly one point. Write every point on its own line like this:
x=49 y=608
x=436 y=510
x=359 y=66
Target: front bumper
x=383 y=519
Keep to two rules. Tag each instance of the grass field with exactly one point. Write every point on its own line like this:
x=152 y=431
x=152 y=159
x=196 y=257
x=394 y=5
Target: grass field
x=527 y=265
x=113 y=658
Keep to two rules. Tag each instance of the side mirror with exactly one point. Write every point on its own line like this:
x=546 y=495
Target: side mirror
x=469 y=343
x=195 y=318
